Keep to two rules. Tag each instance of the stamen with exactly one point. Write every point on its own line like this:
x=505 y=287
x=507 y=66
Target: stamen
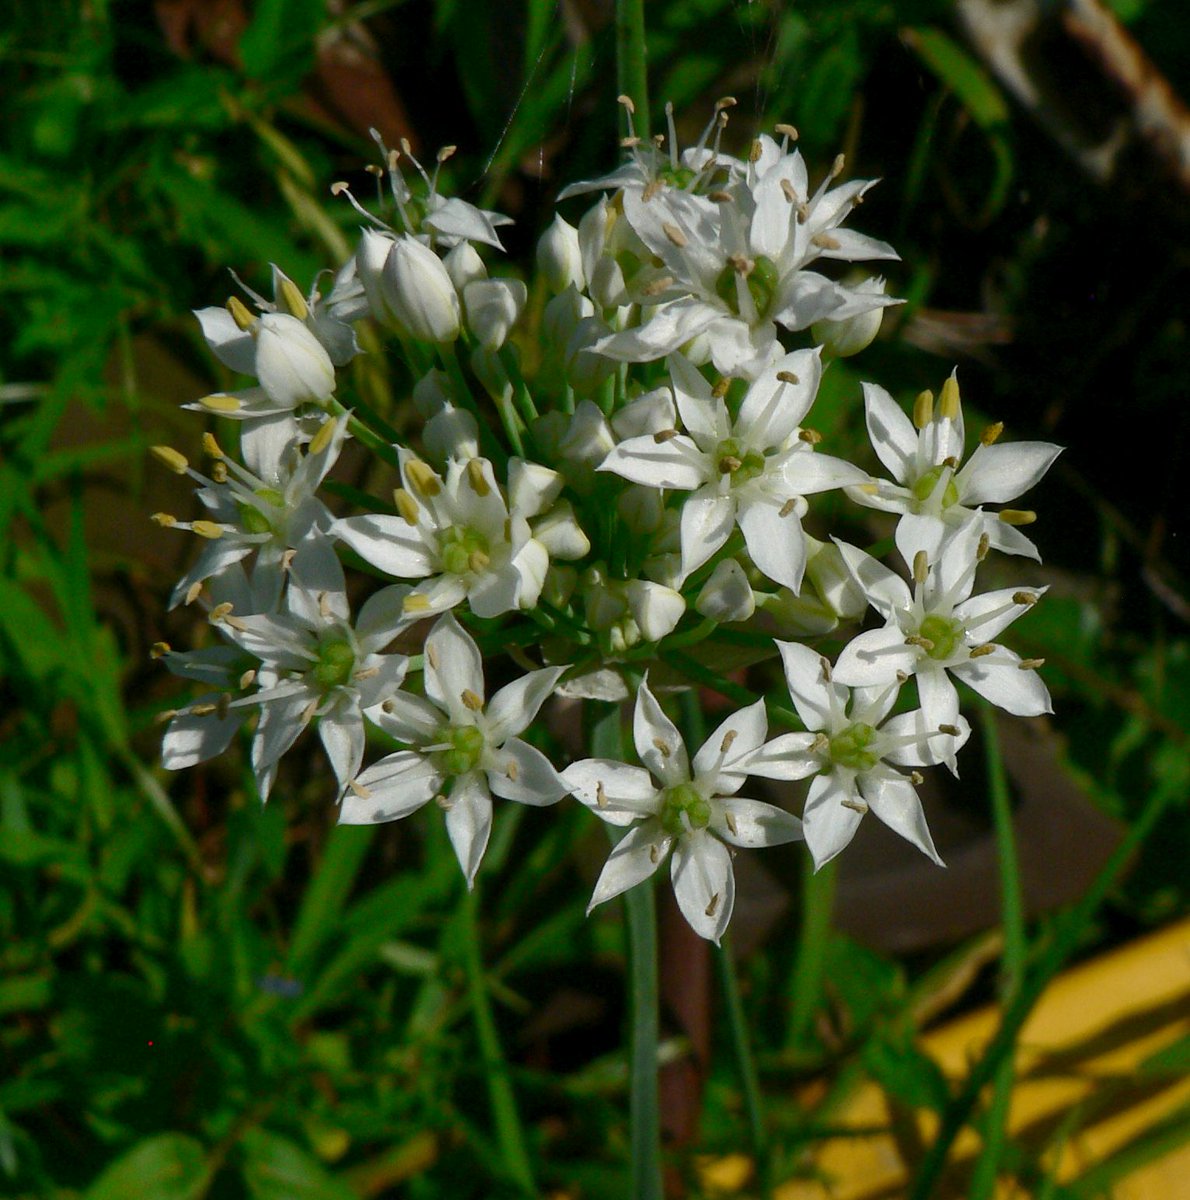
x=662 y=747
x=729 y=821
x=915 y=639
x=923 y=409
x=322 y=439
x=788 y=377
x=165 y=520
x=984 y=650
x=787 y=131
x=221 y=403
x=239 y=313
x=821 y=743
x=656 y=286
x=361 y=790
x=1029 y=598
x=921 y=567
x=788 y=507
x=471 y=700
x=825 y=241
x=654 y=854
x=714 y=904
x=626 y=101
x=512 y=770
x=721 y=388
x=855 y=804
x=207 y=529
x=1030 y=664
x=476 y=478
x=221 y=611
x=838 y=165
x=202 y=710
x=826 y=669
x=406 y=505
x=211 y=446
x=287 y=560
x=193 y=591
x=651 y=189
x=415 y=602
x=810 y=436
x=366 y=673
x=755 y=151
x=949 y=404
x=1017 y=516
x=600 y=794
x=991 y=434
x=916 y=778
x=421 y=478
x=952 y=730
x=664 y=435
x=675 y=235
x=293 y=301
x=981 y=550
x=167 y=456
x=729 y=737
x=159 y=649
x=788 y=192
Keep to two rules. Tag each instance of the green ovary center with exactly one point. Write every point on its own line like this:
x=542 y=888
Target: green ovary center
x=682 y=808
x=463 y=550
x=742 y=465
x=251 y=517
x=336 y=661
x=852 y=747
x=465 y=744
x=924 y=487
x=679 y=177
x=761 y=283
x=945 y=633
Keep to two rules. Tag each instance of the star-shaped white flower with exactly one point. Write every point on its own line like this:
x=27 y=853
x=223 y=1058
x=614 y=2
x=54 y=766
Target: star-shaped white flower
x=316 y=664
x=691 y=809
x=753 y=471
x=461 y=749
x=940 y=629
x=853 y=752
x=932 y=492
x=459 y=536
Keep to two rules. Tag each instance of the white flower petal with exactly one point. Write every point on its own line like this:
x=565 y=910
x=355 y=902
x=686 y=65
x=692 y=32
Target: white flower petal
x=520 y=772
x=999 y=679
x=192 y=739
x=807 y=674
x=627 y=793
x=706 y=523
x=453 y=667
x=658 y=743
x=409 y=719
x=513 y=708
x=703 y=883
x=999 y=473
x=390 y=789
x=893 y=799
x=635 y=857
x=873 y=658
x=886 y=592
x=775 y=543
x=785 y=757
x=677 y=463
x=342 y=734
x=751 y=823
x=735 y=739
x=469 y=821
x=828 y=823
x=390 y=543
x=939 y=700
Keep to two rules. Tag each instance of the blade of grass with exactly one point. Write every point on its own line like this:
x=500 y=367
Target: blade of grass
x=632 y=60
x=818 y=902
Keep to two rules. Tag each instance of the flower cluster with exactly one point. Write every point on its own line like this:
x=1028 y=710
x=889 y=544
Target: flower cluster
x=611 y=494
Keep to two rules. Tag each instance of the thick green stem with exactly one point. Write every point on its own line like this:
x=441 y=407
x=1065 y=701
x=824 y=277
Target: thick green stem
x=1065 y=939
x=510 y=1133
x=605 y=739
x=983 y=1181
x=632 y=60
x=818 y=902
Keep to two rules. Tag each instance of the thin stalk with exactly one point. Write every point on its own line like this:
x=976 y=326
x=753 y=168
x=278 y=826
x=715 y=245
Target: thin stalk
x=746 y=1065
x=524 y=398
x=510 y=1133
x=632 y=60
x=605 y=738
x=695 y=671
x=365 y=434
x=818 y=902
x=466 y=399
x=1012 y=909
x=1065 y=939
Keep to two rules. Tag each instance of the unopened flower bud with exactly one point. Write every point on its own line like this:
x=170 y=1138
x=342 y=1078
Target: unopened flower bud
x=562 y=315
x=559 y=257
x=656 y=609
x=493 y=307
x=432 y=393
x=727 y=595
x=489 y=370
x=586 y=369
x=420 y=293
x=451 y=433
x=852 y=334
x=827 y=573
x=291 y=363
x=370 y=257
x=589 y=438
x=561 y=534
x=464 y=266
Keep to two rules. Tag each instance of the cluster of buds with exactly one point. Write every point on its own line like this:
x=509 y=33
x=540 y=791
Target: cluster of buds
x=609 y=511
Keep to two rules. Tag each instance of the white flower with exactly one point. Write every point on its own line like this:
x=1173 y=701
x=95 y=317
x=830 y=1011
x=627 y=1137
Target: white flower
x=692 y=809
x=316 y=664
x=456 y=534
x=932 y=493
x=850 y=335
x=419 y=295
x=461 y=749
x=493 y=307
x=853 y=752
x=625 y=612
x=753 y=471
x=735 y=266
x=280 y=520
x=559 y=257
x=939 y=629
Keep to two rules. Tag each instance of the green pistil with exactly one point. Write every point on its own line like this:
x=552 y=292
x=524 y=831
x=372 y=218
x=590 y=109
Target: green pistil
x=255 y=521
x=945 y=633
x=761 y=281
x=684 y=799
x=466 y=749
x=924 y=487
x=850 y=748
x=629 y=265
x=679 y=177
x=740 y=465
x=463 y=550
x=336 y=661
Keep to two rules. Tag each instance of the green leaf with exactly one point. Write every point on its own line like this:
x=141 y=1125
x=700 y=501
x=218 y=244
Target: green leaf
x=169 y=1166
x=276 y=1169
x=280 y=40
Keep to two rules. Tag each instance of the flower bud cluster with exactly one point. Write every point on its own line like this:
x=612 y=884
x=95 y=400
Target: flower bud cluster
x=622 y=492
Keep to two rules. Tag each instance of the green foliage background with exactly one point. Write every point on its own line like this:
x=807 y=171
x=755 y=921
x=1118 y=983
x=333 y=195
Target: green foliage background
x=203 y=997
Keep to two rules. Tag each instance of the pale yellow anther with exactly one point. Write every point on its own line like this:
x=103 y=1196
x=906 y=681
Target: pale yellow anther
x=322 y=439
x=1017 y=516
x=825 y=665
x=600 y=794
x=221 y=611
x=728 y=738
x=193 y=592
x=821 y=743
x=785 y=130
x=471 y=700
x=787 y=377
x=292 y=300
x=207 y=529
x=656 y=286
x=949 y=403
x=725 y=102
x=916 y=778
x=287 y=559
x=951 y=730
x=984 y=650
x=810 y=436
x=365 y=673
x=512 y=770
x=869 y=489
x=742 y=265
x=219 y=471
x=824 y=241
x=981 y=550
x=407 y=147
x=307 y=713
x=164 y=717
x=838 y=165
x=415 y=602
x=201 y=710
x=923 y=409
x=915 y=639
x=446 y=152
x=992 y=433
x=324 y=606
x=662 y=747
x=921 y=566
x=803 y=213
x=721 y=388
x=719 y=197
x=220 y=402
x=477 y=479
x=755 y=151
x=714 y=904
x=1029 y=598
x=729 y=821
x=478 y=561
x=422 y=478
x=651 y=189
x=432 y=657
x=626 y=101
x=406 y=505
x=855 y=804
x=788 y=508
x=164 y=519
x=248 y=678
x=373 y=170
x=654 y=854
x=240 y=314
x=360 y=789
x=788 y=192
x=1030 y=664
x=394 y=157
x=167 y=456
x=674 y=234
x=339 y=187
x=211 y=447
x=159 y=649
